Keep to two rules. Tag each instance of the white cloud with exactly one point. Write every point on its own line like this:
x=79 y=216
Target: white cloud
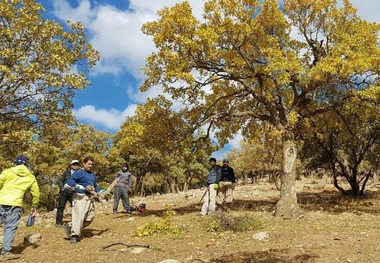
x=111 y=119
x=116 y=34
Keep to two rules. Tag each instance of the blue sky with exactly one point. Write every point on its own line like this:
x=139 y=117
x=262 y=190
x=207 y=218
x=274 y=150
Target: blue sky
x=114 y=30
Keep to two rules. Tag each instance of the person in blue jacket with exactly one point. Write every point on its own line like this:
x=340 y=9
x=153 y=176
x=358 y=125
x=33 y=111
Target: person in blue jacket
x=213 y=178
x=83 y=209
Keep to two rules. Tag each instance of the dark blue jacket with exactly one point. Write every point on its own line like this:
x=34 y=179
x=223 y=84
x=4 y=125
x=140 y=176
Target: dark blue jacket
x=228 y=174
x=84 y=178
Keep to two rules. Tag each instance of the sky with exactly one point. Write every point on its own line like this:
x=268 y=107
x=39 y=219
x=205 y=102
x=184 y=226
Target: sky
x=114 y=29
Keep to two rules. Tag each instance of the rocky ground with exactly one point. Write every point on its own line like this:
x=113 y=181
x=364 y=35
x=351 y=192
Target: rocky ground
x=335 y=228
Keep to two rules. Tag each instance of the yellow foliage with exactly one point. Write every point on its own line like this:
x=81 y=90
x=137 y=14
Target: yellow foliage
x=37 y=57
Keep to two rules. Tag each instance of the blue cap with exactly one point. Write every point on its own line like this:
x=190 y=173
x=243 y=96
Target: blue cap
x=21 y=159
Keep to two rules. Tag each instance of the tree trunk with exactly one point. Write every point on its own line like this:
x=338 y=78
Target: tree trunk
x=185 y=187
x=375 y=178
x=139 y=184
x=287 y=206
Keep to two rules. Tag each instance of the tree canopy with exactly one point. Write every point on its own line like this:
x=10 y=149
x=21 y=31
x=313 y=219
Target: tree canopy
x=42 y=62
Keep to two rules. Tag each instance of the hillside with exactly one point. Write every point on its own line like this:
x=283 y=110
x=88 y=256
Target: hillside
x=334 y=229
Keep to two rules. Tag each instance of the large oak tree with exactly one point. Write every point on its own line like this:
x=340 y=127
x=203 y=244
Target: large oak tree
x=247 y=62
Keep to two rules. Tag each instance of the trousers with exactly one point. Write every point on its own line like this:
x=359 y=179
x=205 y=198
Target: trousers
x=10 y=216
x=83 y=213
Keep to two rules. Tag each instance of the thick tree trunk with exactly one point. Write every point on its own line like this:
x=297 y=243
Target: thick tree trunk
x=287 y=206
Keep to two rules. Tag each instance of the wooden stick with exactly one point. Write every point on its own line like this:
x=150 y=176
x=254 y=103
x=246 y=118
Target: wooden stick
x=202 y=196
x=127 y=245
x=111 y=187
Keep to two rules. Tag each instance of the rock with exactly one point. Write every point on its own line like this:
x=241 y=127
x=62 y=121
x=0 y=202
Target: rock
x=32 y=239
x=138 y=250
x=261 y=236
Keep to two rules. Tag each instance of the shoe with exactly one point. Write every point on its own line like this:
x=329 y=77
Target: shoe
x=67 y=229
x=58 y=225
x=9 y=256
x=73 y=239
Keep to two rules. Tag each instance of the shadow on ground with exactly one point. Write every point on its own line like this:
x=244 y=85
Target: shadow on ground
x=336 y=203
x=270 y=256
x=328 y=201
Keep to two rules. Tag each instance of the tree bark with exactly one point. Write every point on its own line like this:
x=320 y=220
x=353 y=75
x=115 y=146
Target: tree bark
x=287 y=206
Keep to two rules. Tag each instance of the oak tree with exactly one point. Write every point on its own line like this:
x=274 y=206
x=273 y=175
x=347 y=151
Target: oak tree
x=247 y=62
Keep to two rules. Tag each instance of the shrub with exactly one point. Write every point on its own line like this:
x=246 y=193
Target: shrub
x=162 y=227
x=237 y=224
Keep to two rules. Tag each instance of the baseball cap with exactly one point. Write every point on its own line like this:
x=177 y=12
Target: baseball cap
x=74 y=162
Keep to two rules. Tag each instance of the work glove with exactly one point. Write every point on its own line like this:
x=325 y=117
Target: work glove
x=102 y=191
x=79 y=187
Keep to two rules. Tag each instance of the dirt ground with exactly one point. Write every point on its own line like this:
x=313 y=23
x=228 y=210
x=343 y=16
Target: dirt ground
x=335 y=228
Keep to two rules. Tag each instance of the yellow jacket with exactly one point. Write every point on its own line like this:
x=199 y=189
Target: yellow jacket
x=14 y=182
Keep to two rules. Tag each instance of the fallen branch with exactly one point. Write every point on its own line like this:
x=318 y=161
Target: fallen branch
x=124 y=244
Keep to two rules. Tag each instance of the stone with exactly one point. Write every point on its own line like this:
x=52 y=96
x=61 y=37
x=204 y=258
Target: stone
x=261 y=236
x=32 y=239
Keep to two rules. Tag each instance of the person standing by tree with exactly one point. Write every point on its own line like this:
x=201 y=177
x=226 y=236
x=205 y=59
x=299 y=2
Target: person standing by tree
x=214 y=175
x=65 y=194
x=122 y=188
x=224 y=196
x=83 y=211
x=14 y=182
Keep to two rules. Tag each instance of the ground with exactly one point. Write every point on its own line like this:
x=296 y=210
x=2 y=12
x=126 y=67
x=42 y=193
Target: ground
x=334 y=228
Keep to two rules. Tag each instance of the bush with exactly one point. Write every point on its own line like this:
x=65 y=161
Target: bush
x=162 y=227
x=237 y=224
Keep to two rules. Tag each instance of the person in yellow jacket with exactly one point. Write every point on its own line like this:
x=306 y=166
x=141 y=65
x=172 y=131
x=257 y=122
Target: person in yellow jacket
x=14 y=182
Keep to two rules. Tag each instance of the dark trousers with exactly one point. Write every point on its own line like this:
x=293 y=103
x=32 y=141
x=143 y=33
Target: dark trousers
x=64 y=197
x=121 y=192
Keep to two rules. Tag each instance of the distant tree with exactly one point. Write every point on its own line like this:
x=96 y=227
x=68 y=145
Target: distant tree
x=259 y=155
x=162 y=149
x=348 y=141
x=248 y=62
